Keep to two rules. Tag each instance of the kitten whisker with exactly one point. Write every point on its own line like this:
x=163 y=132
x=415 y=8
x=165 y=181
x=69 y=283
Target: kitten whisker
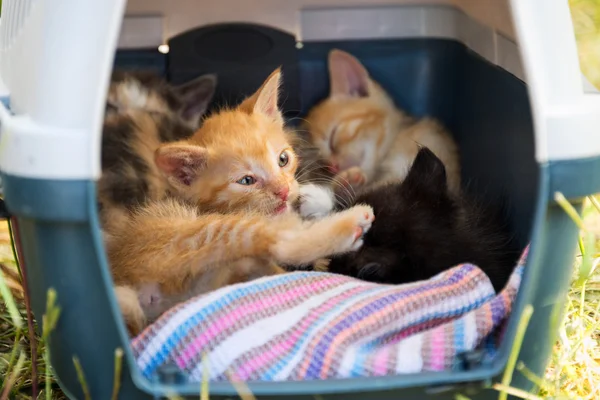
x=309 y=168
x=332 y=181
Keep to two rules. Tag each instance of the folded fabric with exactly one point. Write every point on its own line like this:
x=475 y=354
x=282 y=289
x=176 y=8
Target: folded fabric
x=312 y=325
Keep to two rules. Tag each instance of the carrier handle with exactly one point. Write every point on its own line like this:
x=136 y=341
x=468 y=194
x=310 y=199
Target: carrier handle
x=566 y=119
x=55 y=61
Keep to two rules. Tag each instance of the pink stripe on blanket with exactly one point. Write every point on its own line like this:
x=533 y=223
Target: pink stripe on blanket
x=346 y=335
x=228 y=320
x=380 y=363
x=260 y=359
x=437 y=350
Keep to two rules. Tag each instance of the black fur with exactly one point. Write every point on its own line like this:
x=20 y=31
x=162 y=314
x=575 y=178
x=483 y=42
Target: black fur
x=420 y=230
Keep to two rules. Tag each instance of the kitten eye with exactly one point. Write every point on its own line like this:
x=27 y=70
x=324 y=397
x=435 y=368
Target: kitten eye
x=284 y=159
x=247 y=180
x=331 y=137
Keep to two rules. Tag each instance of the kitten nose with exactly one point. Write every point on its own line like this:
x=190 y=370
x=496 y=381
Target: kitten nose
x=333 y=167
x=283 y=193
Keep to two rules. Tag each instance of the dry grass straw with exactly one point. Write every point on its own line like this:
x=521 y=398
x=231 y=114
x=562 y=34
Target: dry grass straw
x=574 y=370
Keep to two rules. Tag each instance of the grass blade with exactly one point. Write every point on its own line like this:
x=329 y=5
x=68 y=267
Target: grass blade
x=461 y=397
x=117 y=374
x=13 y=226
x=569 y=209
x=241 y=388
x=14 y=352
x=50 y=318
x=514 y=353
x=204 y=385
x=10 y=381
x=48 y=382
x=11 y=305
x=81 y=378
x=587 y=260
x=12 y=245
x=595 y=202
x=504 y=390
x=531 y=376
x=581 y=245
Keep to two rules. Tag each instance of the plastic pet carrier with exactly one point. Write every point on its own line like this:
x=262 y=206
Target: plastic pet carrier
x=524 y=123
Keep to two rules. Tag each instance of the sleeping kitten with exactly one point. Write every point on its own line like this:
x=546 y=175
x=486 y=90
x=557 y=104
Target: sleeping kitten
x=235 y=181
x=143 y=112
x=364 y=137
x=421 y=230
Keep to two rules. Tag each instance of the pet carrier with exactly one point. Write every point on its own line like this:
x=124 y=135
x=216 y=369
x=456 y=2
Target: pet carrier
x=524 y=123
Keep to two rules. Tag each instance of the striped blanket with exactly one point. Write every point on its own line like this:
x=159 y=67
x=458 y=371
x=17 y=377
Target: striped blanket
x=311 y=325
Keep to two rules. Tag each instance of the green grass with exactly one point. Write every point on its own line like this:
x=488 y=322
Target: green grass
x=21 y=376
x=574 y=370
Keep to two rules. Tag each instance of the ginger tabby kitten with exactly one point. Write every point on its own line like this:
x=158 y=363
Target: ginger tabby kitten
x=235 y=181
x=364 y=137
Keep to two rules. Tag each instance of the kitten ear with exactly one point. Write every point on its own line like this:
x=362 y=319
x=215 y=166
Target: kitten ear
x=347 y=76
x=427 y=172
x=181 y=162
x=265 y=99
x=195 y=97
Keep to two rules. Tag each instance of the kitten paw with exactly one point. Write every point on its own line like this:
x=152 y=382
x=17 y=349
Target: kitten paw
x=353 y=176
x=135 y=319
x=354 y=223
x=316 y=201
x=149 y=295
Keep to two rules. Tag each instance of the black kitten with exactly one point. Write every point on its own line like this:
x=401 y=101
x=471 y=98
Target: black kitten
x=421 y=230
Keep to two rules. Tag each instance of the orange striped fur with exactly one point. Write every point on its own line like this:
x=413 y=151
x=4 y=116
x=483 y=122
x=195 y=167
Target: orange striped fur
x=244 y=142
x=232 y=220
x=364 y=137
x=183 y=252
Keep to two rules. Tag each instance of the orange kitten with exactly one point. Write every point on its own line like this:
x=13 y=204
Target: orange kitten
x=240 y=159
x=364 y=137
x=168 y=252
x=235 y=177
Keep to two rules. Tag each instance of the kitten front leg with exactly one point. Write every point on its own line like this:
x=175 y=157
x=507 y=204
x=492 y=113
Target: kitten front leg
x=173 y=244
x=336 y=234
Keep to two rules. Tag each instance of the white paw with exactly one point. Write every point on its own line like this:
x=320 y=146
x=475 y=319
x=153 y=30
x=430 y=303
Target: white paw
x=355 y=222
x=315 y=201
x=364 y=219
